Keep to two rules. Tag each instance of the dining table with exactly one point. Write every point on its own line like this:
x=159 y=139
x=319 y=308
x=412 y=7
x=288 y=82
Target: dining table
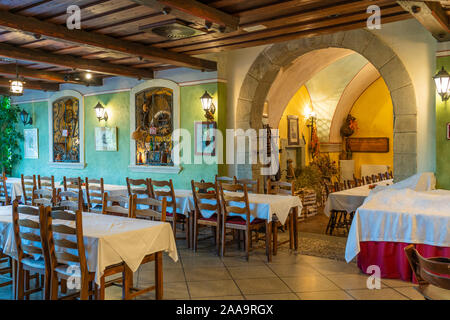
x=351 y=199
x=390 y=220
x=110 y=240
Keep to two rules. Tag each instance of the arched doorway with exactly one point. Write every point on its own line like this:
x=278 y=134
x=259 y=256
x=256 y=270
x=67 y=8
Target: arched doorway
x=266 y=67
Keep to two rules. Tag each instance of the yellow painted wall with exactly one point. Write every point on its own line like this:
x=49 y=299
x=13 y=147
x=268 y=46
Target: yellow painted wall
x=374 y=113
x=296 y=107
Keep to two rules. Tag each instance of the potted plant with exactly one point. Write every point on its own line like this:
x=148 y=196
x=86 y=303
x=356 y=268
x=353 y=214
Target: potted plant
x=9 y=135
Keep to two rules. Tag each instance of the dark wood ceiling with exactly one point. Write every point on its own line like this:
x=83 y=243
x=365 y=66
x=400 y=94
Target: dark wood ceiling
x=112 y=42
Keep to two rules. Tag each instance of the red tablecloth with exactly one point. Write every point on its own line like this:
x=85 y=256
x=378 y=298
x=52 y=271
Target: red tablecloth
x=391 y=258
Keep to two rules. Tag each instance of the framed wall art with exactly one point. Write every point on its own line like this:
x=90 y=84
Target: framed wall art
x=106 y=139
x=31 y=143
x=205 y=141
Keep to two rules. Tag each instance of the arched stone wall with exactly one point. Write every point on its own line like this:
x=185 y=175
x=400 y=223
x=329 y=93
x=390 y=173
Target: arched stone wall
x=265 y=68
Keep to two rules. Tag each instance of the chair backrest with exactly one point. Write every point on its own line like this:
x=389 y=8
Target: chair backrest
x=120 y=205
x=4 y=197
x=30 y=235
x=164 y=189
x=369 y=180
x=155 y=209
x=44 y=196
x=65 y=232
x=46 y=182
x=435 y=271
x=28 y=185
x=139 y=187
x=280 y=187
x=375 y=178
x=94 y=192
x=252 y=185
x=224 y=179
x=391 y=175
x=235 y=203
x=350 y=184
x=204 y=193
x=72 y=184
x=71 y=200
x=381 y=176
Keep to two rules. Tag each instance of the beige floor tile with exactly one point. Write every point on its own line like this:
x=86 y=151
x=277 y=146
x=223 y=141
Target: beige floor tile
x=336 y=267
x=382 y=294
x=207 y=273
x=396 y=283
x=239 y=261
x=251 y=272
x=410 y=292
x=261 y=286
x=325 y=295
x=216 y=288
x=293 y=270
x=202 y=262
x=221 y=298
x=273 y=296
x=312 y=260
x=351 y=281
x=310 y=283
x=172 y=291
x=169 y=275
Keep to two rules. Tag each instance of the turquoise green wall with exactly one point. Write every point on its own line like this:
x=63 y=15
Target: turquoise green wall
x=113 y=166
x=442 y=144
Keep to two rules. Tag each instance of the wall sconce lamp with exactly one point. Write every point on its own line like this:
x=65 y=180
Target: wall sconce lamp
x=310 y=117
x=442 y=80
x=208 y=106
x=26 y=118
x=101 y=112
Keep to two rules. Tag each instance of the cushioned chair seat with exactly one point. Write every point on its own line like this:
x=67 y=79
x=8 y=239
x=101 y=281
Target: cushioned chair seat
x=213 y=218
x=31 y=262
x=239 y=220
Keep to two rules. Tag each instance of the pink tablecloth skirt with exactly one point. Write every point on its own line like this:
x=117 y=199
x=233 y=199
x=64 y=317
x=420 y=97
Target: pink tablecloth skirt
x=391 y=258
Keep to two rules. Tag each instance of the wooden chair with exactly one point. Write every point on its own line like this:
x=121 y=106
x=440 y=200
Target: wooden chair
x=375 y=178
x=238 y=204
x=65 y=232
x=94 y=194
x=46 y=197
x=164 y=189
x=381 y=176
x=139 y=187
x=72 y=184
x=6 y=269
x=71 y=200
x=351 y=184
x=287 y=189
x=156 y=210
x=369 y=180
x=46 y=182
x=204 y=193
x=28 y=185
x=432 y=274
x=223 y=179
x=29 y=242
x=252 y=185
x=4 y=197
x=391 y=175
x=120 y=205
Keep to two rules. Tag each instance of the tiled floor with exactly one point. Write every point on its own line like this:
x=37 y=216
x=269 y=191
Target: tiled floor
x=290 y=276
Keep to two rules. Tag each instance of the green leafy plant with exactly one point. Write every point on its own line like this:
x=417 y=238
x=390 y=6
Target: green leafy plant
x=9 y=135
x=328 y=168
x=310 y=177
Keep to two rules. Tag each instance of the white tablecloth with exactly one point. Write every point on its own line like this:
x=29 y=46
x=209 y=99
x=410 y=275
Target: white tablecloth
x=349 y=200
x=401 y=216
x=108 y=239
x=262 y=206
x=14 y=187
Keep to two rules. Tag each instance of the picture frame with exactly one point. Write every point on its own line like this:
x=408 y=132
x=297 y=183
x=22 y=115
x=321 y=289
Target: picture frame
x=448 y=130
x=31 y=143
x=106 y=138
x=293 y=131
x=205 y=142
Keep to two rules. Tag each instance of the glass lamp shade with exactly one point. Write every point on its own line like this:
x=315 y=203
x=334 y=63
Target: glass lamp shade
x=100 y=111
x=442 y=80
x=24 y=116
x=309 y=114
x=206 y=100
x=16 y=87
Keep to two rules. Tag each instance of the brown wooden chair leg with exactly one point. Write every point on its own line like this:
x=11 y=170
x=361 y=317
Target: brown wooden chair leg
x=27 y=284
x=158 y=276
x=195 y=235
x=20 y=282
x=291 y=230
x=275 y=237
x=268 y=242
x=54 y=283
x=222 y=244
x=295 y=222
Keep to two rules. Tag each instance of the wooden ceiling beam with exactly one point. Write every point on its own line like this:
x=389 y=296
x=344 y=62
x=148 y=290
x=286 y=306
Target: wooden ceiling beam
x=34 y=26
x=306 y=31
x=10 y=69
x=431 y=15
x=34 y=55
x=195 y=9
x=35 y=85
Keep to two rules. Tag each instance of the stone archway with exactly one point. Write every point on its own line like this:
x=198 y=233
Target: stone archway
x=265 y=68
